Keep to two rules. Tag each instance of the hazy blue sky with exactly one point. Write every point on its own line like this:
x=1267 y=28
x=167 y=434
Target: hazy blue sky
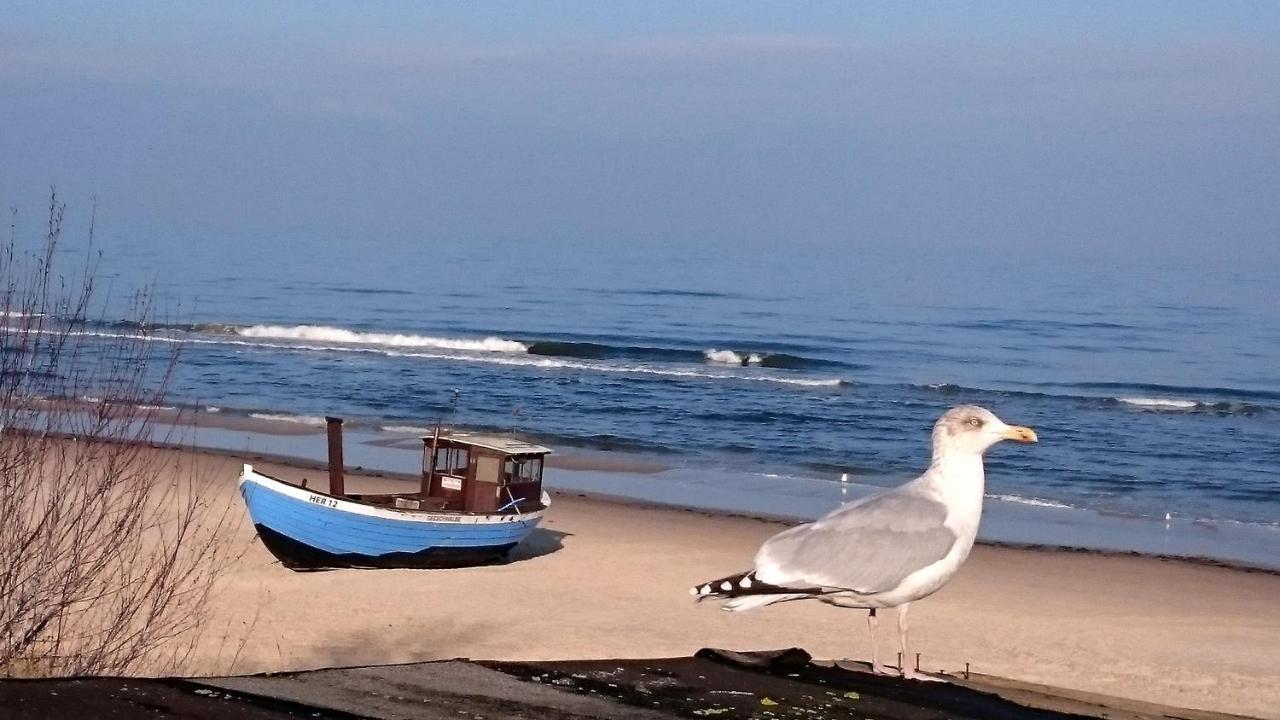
x=1147 y=131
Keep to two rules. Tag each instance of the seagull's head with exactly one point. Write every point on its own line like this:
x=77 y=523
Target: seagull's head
x=972 y=429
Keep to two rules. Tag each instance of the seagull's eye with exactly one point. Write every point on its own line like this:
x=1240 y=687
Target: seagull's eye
x=975 y=422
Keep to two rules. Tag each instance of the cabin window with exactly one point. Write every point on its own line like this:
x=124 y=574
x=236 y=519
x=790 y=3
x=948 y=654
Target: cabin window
x=452 y=460
x=522 y=470
x=531 y=470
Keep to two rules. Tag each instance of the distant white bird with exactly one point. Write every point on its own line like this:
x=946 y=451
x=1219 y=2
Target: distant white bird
x=885 y=550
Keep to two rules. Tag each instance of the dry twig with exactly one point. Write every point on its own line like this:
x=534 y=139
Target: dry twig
x=108 y=550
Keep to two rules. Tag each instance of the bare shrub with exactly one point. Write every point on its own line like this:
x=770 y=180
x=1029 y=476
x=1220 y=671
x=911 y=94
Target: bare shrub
x=109 y=549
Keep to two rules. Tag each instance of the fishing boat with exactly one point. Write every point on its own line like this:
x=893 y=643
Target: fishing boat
x=479 y=496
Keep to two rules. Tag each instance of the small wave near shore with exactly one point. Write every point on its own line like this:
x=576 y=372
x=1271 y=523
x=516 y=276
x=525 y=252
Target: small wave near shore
x=1159 y=403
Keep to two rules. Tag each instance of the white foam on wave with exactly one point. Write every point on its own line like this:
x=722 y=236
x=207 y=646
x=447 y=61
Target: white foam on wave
x=325 y=333
x=311 y=420
x=723 y=357
x=729 y=357
x=804 y=382
x=1159 y=403
x=1034 y=502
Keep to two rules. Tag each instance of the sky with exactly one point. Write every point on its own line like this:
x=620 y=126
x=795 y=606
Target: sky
x=1138 y=132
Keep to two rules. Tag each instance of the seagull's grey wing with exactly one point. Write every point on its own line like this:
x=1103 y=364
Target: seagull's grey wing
x=867 y=547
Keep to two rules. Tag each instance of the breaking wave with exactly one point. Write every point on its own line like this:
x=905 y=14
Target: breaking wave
x=761 y=359
x=328 y=337
x=309 y=420
x=743 y=358
x=1034 y=502
x=729 y=357
x=491 y=350
x=1212 y=395
x=324 y=333
x=634 y=369
x=1159 y=403
x=1216 y=401
x=712 y=356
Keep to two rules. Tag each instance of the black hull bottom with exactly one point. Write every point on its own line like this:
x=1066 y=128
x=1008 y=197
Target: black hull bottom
x=302 y=557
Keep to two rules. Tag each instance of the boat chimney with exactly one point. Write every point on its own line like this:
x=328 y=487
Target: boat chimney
x=335 y=456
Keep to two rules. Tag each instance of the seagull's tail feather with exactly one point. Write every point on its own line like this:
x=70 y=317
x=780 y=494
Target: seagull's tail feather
x=743 y=591
x=749 y=602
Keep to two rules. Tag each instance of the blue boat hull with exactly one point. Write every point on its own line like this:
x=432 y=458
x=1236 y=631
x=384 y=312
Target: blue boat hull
x=300 y=556
x=308 y=530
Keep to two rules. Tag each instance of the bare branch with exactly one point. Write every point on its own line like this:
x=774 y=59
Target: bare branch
x=109 y=550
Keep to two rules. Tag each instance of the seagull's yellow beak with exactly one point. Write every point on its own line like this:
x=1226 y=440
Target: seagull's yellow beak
x=1021 y=434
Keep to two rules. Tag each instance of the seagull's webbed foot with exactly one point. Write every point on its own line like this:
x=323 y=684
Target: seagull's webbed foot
x=909 y=674
x=875 y=668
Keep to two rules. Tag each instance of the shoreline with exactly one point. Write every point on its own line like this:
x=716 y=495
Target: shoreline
x=786 y=493
x=642 y=480
x=287 y=427
x=776 y=519
x=632 y=479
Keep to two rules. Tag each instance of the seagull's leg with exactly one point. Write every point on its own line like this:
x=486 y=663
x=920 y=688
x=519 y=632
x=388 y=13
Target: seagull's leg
x=908 y=673
x=872 y=623
x=902 y=638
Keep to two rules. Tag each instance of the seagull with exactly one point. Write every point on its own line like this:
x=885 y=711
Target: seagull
x=885 y=550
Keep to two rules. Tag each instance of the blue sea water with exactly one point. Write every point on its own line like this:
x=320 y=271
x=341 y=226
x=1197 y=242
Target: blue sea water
x=1155 y=390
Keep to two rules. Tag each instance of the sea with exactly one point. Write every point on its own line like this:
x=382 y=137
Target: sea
x=761 y=379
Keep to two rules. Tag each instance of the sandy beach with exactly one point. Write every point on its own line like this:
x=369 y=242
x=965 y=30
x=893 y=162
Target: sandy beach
x=604 y=578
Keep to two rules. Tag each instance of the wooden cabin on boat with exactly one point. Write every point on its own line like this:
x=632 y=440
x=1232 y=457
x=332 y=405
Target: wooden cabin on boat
x=461 y=472
x=471 y=472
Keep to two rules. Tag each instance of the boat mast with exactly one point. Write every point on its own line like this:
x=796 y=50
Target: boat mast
x=429 y=467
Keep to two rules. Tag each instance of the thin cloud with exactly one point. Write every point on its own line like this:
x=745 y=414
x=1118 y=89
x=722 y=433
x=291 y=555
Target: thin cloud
x=771 y=78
